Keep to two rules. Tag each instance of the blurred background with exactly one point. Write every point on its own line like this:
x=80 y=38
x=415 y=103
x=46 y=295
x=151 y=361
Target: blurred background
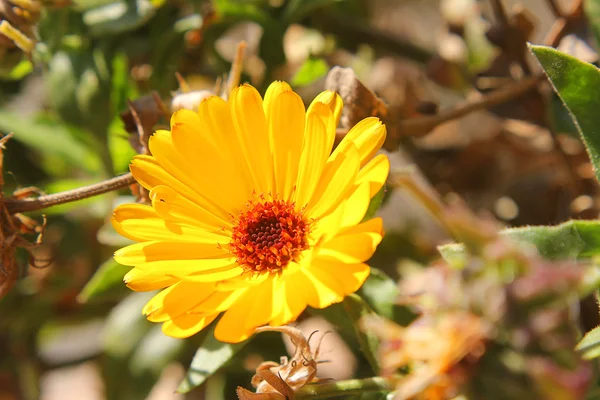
x=86 y=72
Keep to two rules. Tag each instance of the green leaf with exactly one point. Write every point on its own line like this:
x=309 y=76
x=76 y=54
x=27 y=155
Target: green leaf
x=19 y=71
x=356 y=308
x=211 y=356
x=381 y=293
x=51 y=139
x=590 y=344
x=569 y=240
x=312 y=69
x=375 y=204
x=296 y=10
x=119 y=17
x=592 y=12
x=107 y=277
x=155 y=351
x=575 y=82
x=126 y=325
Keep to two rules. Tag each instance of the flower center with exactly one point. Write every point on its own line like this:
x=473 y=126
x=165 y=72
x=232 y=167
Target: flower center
x=268 y=235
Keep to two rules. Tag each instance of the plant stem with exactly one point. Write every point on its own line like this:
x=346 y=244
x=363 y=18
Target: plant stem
x=346 y=388
x=32 y=204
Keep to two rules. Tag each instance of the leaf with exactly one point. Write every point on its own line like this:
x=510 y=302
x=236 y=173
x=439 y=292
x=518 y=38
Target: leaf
x=108 y=276
x=312 y=69
x=575 y=82
x=51 y=139
x=155 y=351
x=592 y=12
x=211 y=356
x=569 y=240
x=381 y=293
x=375 y=204
x=119 y=17
x=356 y=308
x=126 y=325
x=590 y=344
x=296 y=10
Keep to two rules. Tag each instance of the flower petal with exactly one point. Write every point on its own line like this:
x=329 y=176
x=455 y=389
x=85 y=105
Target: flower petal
x=355 y=245
x=315 y=151
x=286 y=131
x=144 y=281
x=291 y=298
x=273 y=91
x=335 y=182
x=348 y=277
x=187 y=325
x=368 y=137
x=375 y=172
x=141 y=223
x=159 y=250
x=252 y=133
x=170 y=206
x=251 y=310
x=334 y=102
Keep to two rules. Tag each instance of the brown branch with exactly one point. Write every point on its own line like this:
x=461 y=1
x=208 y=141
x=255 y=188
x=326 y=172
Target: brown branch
x=32 y=204
x=423 y=125
x=555 y=8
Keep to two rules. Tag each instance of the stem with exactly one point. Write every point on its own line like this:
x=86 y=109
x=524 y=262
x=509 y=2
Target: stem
x=422 y=126
x=32 y=204
x=346 y=388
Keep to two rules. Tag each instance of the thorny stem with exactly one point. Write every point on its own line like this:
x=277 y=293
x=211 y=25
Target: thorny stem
x=346 y=388
x=22 y=205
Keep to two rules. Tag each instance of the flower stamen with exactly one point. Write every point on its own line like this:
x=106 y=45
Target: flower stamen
x=268 y=235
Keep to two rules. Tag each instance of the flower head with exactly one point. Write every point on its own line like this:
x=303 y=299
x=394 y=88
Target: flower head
x=252 y=214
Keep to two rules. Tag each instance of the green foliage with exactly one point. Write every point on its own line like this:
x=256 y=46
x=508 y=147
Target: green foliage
x=572 y=79
x=570 y=240
x=107 y=278
x=357 y=308
x=211 y=356
x=590 y=344
x=312 y=69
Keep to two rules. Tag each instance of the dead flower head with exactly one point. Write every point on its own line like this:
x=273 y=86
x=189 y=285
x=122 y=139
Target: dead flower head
x=12 y=229
x=437 y=350
x=280 y=381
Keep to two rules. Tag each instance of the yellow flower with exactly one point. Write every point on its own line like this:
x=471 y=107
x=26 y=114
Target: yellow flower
x=252 y=214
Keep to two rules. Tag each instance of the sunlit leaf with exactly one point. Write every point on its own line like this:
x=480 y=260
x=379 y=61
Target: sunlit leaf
x=381 y=293
x=310 y=71
x=120 y=16
x=570 y=240
x=573 y=80
x=211 y=356
x=590 y=344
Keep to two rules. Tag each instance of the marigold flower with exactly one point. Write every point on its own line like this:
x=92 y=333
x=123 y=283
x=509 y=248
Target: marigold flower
x=252 y=214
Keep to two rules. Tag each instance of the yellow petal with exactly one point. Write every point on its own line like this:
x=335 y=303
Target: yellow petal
x=242 y=281
x=218 y=301
x=253 y=309
x=292 y=301
x=208 y=192
x=149 y=173
x=215 y=275
x=286 y=131
x=315 y=151
x=209 y=163
x=348 y=277
x=170 y=206
x=356 y=206
x=251 y=130
x=158 y=250
x=273 y=91
x=375 y=173
x=322 y=288
x=354 y=246
x=143 y=281
x=368 y=136
x=177 y=300
x=334 y=102
x=136 y=222
x=187 y=325
x=335 y=182
x=216 y=122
